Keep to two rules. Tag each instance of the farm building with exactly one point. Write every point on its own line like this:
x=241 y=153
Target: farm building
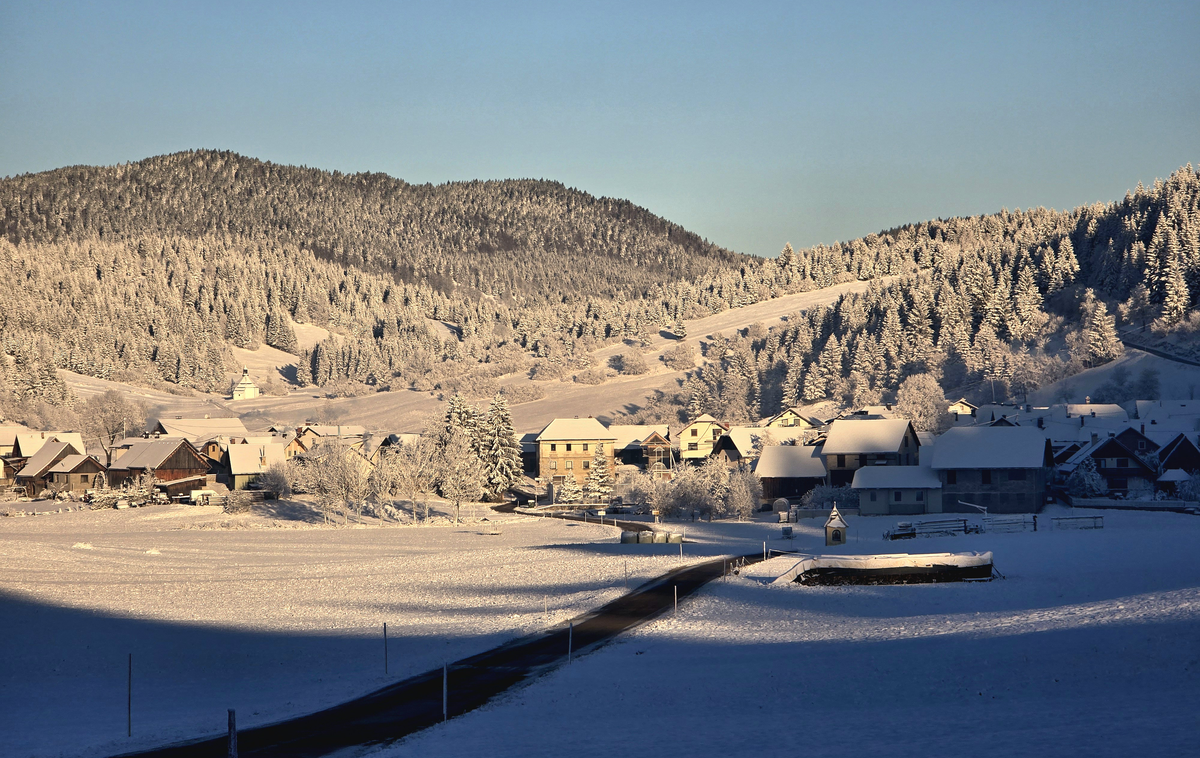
x=566 y=447
x=247 y=462
x=854 y=443
x=174 y=462
x=897 y=490
x=790 y=471
x=1002 y=468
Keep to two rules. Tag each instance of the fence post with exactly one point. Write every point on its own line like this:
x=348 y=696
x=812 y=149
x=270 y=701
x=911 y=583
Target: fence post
x=385 y=650
x=445 y=689
x=570 y=639
x=129 y=699
x=676 y=586
x=233 y=750
x=764 y=551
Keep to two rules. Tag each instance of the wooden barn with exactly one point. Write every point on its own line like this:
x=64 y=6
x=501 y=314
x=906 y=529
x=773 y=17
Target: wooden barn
x=173 y=462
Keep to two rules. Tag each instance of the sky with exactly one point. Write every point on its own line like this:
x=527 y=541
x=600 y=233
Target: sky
x=751 y=124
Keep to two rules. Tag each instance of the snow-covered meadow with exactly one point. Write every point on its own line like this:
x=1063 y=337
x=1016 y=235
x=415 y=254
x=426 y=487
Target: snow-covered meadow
x=272 y=617
x=1090 y=646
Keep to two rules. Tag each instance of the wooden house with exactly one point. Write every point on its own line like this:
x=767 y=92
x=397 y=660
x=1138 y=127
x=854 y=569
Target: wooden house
x=647 y=446
x=8 y=438
x=351 y=435
x=696 y=440
x=34 y=474
x=791 y=419
x=853 y=443
x=173 y=461
x=27 y=444
x=200 y=430
x=76 y=473
x=1123 y=470
x=566 y=447
x=1002 y=468
x=960 y=408
x=790 y=471
x=1180 y=453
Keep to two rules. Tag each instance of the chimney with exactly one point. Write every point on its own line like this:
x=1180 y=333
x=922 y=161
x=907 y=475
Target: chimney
x=1095 y=438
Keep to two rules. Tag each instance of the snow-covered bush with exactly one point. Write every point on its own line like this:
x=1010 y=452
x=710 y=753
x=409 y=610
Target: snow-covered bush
x=1084 y=481
x=824 y=496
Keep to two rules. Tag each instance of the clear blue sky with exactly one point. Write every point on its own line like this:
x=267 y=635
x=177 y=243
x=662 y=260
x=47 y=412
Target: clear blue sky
x=751 y=124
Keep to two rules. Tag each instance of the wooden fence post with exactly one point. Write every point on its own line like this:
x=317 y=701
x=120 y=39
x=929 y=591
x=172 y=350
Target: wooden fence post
x=233 y=749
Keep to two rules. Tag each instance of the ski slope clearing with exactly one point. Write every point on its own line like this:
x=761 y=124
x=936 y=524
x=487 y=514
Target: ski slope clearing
x=1090 y=646
x=271 y=614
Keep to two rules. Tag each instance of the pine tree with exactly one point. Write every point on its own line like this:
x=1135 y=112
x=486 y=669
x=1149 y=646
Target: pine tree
x=501 y=452
x=1027 y=306
x=569 y=491
x=1175 y=294
x=598 y=486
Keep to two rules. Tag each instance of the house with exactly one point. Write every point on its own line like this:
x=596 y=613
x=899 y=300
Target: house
x=1137 y=441
x=351 y=435
x=247 y=462
x=898 y=490
x=1123 y=471
x=8 y=438
x=245 y=389
x=34 y=475
x=647 y=446
x=200 y=430
x=791 y=418
x=27 y=444
x=1180 y=453
x=173 y=461
x=961 y=408
x=790 y=471
x=76 y=473
x=740 y=442
x=856 y=442
x=1002 y=468
x=566 y=447
x=529 y=453
x=696 y=440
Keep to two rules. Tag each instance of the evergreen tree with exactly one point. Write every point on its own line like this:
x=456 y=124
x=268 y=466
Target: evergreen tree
x=501 y=452
x=597 y=487
x=1175 y=294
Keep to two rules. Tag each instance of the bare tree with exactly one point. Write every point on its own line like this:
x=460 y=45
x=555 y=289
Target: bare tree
x=110 y=416
x=462 y=477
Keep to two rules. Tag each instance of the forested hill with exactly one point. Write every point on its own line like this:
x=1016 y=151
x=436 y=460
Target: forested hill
x=522 y=238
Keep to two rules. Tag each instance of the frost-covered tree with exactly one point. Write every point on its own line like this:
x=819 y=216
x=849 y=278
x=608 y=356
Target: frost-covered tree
x=597 y=487
x=499 y=449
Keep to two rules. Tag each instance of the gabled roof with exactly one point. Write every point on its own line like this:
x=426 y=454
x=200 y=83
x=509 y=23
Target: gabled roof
x=1109 y=445
x=835 y=520
x=1095 y=410
x=568 y=429
x=150 y=454
x=71 y=462
x=27 y=444
x=704 y=418
x=334 y=430
x=743 y=437
x=9 y=432
x=47 y=455
x=246 y=460
x=795 y=411
x=971 y=447
x=791 y=462
x=631 y=436
x=1175 y=475
x=896 y=477
x=856 y=436
x=202 y=429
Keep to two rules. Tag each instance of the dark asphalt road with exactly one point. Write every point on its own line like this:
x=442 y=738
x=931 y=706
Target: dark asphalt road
x=416 y=703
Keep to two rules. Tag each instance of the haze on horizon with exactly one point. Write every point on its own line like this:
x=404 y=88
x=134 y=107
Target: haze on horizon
x=752 y=126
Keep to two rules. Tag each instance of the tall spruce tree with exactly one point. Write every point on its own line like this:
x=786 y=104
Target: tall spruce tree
x=500 y=451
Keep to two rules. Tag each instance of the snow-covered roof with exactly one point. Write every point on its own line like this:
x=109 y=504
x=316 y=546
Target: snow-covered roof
x=8 y=434
x=202 y=429
x=743 y=437
x=254 y=459
x=791 y=462
x=1094 y=446
x=1175 y=475
x=575 y=429
x=835 y=520
x=29 y=443
x=1095 y=410
x=631 y=436
x=529 y=442
x=1151 y=409
x=896 y=477
x=989 y=447
x=335 y=430
x=47 y=455
x=865 y=436
x=70 y=463
x=148 y=454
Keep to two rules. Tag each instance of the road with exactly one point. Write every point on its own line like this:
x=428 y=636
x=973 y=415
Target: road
x=414 y=704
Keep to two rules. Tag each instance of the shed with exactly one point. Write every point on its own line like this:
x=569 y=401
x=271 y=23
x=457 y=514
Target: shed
x=790 y=471
x=898 y=490
x=76 y=473
x=248 y=462
x=166 y=459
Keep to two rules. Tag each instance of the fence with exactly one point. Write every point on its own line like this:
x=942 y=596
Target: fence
x=941 y=528
x=1078 y=522
x=1009 y=524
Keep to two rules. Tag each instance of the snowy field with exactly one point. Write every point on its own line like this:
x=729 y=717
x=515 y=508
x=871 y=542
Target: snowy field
x=273 y=617
x=1090 y=646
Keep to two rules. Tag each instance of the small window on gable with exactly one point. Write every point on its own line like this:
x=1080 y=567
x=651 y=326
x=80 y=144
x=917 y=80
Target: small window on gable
x=585 y=447
x=553 y=447
x=695 y=432
x=716 y=433
x=1141 y=444
x=841 y=460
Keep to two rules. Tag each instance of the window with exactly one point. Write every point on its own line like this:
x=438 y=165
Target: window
x=951 y=477
x=716 y=433
x=695 y=432
x=1103 y=463
x=83 y=478
x=553 y=465
x=570 y=465
x=986 y=476
x=1016 y=475
x=873 y=495
x=837 y=535
x=1141 y=444
x=585 y=447
x=841 y=461
x=693 y=446
x=905 y=444
x=897 y=496
x=1122 y=463
x=553 y=447
x=587 y=464
x=920 y=495
x=568 y=447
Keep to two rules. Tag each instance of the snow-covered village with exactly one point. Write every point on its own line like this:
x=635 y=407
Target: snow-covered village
x=526 y=380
